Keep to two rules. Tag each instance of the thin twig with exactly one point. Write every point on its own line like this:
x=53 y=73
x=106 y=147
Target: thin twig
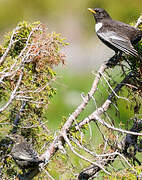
x=13 y=93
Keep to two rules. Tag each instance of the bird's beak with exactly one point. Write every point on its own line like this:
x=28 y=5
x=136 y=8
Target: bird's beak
x=92 y=10
x=10 y=137
x=7 y=136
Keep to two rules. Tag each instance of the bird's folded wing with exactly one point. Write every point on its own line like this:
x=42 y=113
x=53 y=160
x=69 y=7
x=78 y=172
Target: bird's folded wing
x=25 y=153
x=25 y=157
x=118 y=41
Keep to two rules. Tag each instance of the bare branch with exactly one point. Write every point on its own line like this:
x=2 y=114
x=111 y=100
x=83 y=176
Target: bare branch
x=12 y=97
x=2 y=59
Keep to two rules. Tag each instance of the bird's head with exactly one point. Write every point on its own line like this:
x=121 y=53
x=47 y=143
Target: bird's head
x=16 y=138
x=99 y=14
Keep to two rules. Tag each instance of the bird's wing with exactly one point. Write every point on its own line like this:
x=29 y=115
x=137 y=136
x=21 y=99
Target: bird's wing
x=120 y=42
x=25 y=157
x=24 y=152
x=30 y=153
x=21 y=156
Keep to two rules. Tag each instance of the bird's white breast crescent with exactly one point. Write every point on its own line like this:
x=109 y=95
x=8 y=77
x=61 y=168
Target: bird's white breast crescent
x=98 y=26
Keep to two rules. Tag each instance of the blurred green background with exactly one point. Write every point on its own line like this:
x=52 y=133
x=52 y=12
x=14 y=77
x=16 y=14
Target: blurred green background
x=85 y=52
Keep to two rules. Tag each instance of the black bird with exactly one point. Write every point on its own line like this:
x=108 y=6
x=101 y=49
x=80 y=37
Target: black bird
x=23 y=153
x=116 y=35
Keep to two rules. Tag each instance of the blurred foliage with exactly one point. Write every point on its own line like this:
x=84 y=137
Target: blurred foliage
x=56 y=12
x=125 y=174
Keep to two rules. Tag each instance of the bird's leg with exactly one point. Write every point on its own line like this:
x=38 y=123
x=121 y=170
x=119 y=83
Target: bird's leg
x=114 y=59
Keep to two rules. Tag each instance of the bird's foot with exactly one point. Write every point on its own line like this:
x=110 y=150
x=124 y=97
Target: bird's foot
x=114 y=60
